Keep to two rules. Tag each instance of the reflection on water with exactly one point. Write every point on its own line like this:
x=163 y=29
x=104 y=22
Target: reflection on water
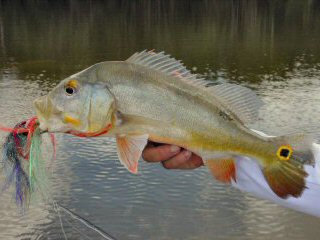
x=239 y=39
x=271 y=46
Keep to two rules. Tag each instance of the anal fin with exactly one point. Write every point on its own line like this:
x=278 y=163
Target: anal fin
x=222 y=169
x=130 y=149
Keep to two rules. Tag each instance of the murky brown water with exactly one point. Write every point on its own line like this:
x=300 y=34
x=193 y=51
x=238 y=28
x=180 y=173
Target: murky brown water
x=271 y=46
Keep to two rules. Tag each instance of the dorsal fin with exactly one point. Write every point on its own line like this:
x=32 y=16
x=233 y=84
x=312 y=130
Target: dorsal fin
x=166 y=64
x=239 y=100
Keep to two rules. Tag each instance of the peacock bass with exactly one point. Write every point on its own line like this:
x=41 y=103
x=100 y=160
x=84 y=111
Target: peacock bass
x=152 y=96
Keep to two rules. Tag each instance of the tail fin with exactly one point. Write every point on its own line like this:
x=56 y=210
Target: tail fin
x=286 y=175
x=285 y=179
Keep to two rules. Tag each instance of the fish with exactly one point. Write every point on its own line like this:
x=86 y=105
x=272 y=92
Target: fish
x=151 y=96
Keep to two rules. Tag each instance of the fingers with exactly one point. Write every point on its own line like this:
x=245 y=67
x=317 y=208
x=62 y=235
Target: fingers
x=171 y=157
x=159 y=153
x=184 y=160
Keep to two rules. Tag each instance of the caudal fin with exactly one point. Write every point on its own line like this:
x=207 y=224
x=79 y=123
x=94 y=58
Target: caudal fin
x=285 y=179
x=286 y=175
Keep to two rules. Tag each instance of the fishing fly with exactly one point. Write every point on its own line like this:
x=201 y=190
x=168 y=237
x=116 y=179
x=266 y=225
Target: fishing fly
x=22 y=159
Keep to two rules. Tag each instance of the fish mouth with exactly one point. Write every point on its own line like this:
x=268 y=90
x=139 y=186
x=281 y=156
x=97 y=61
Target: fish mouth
x=40 y=106
x=45 y=112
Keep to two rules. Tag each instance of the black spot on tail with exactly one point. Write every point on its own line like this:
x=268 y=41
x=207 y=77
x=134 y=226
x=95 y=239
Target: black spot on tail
x=284 y=153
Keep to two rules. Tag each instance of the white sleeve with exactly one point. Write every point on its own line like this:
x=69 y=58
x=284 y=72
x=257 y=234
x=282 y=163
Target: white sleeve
x=250 y=179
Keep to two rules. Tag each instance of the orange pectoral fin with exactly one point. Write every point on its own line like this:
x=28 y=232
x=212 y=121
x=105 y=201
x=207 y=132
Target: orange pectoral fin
x=130 y=149
x=223 y=170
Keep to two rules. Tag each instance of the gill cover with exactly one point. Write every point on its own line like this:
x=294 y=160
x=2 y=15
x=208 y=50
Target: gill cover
x=101 y=109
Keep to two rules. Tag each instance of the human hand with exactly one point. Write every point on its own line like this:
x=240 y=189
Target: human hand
x=171 y=157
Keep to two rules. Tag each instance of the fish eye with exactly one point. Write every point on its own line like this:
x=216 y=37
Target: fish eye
x=71 y=87
x=70 y=90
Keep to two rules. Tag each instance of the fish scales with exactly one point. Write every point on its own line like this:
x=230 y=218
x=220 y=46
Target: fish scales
x=152 y=96
x=176 y=106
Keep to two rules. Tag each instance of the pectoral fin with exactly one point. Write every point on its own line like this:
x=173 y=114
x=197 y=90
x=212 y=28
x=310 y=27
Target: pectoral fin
x=130 y=149
x=223 y=169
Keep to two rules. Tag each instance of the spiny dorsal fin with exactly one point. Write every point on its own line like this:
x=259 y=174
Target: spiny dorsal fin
x=166 y=64
x=239 y=100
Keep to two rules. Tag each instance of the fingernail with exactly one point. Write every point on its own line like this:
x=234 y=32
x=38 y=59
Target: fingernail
x=174 y=149
x=187 y=154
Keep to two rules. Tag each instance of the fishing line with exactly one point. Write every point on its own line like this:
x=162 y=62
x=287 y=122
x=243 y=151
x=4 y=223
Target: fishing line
x=55 y=207
x=78 y=230
x=86 y=223
x=23 y=144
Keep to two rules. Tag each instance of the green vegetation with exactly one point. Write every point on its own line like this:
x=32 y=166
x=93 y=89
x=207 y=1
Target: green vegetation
x=241 y=40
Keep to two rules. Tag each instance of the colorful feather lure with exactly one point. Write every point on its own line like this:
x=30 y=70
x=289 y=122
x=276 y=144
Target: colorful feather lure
x=23 y=145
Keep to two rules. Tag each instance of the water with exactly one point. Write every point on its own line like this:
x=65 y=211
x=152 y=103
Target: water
x=270 y=46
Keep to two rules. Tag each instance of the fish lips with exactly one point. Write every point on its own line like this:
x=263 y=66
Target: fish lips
x=41 y=106
x=44 y=111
